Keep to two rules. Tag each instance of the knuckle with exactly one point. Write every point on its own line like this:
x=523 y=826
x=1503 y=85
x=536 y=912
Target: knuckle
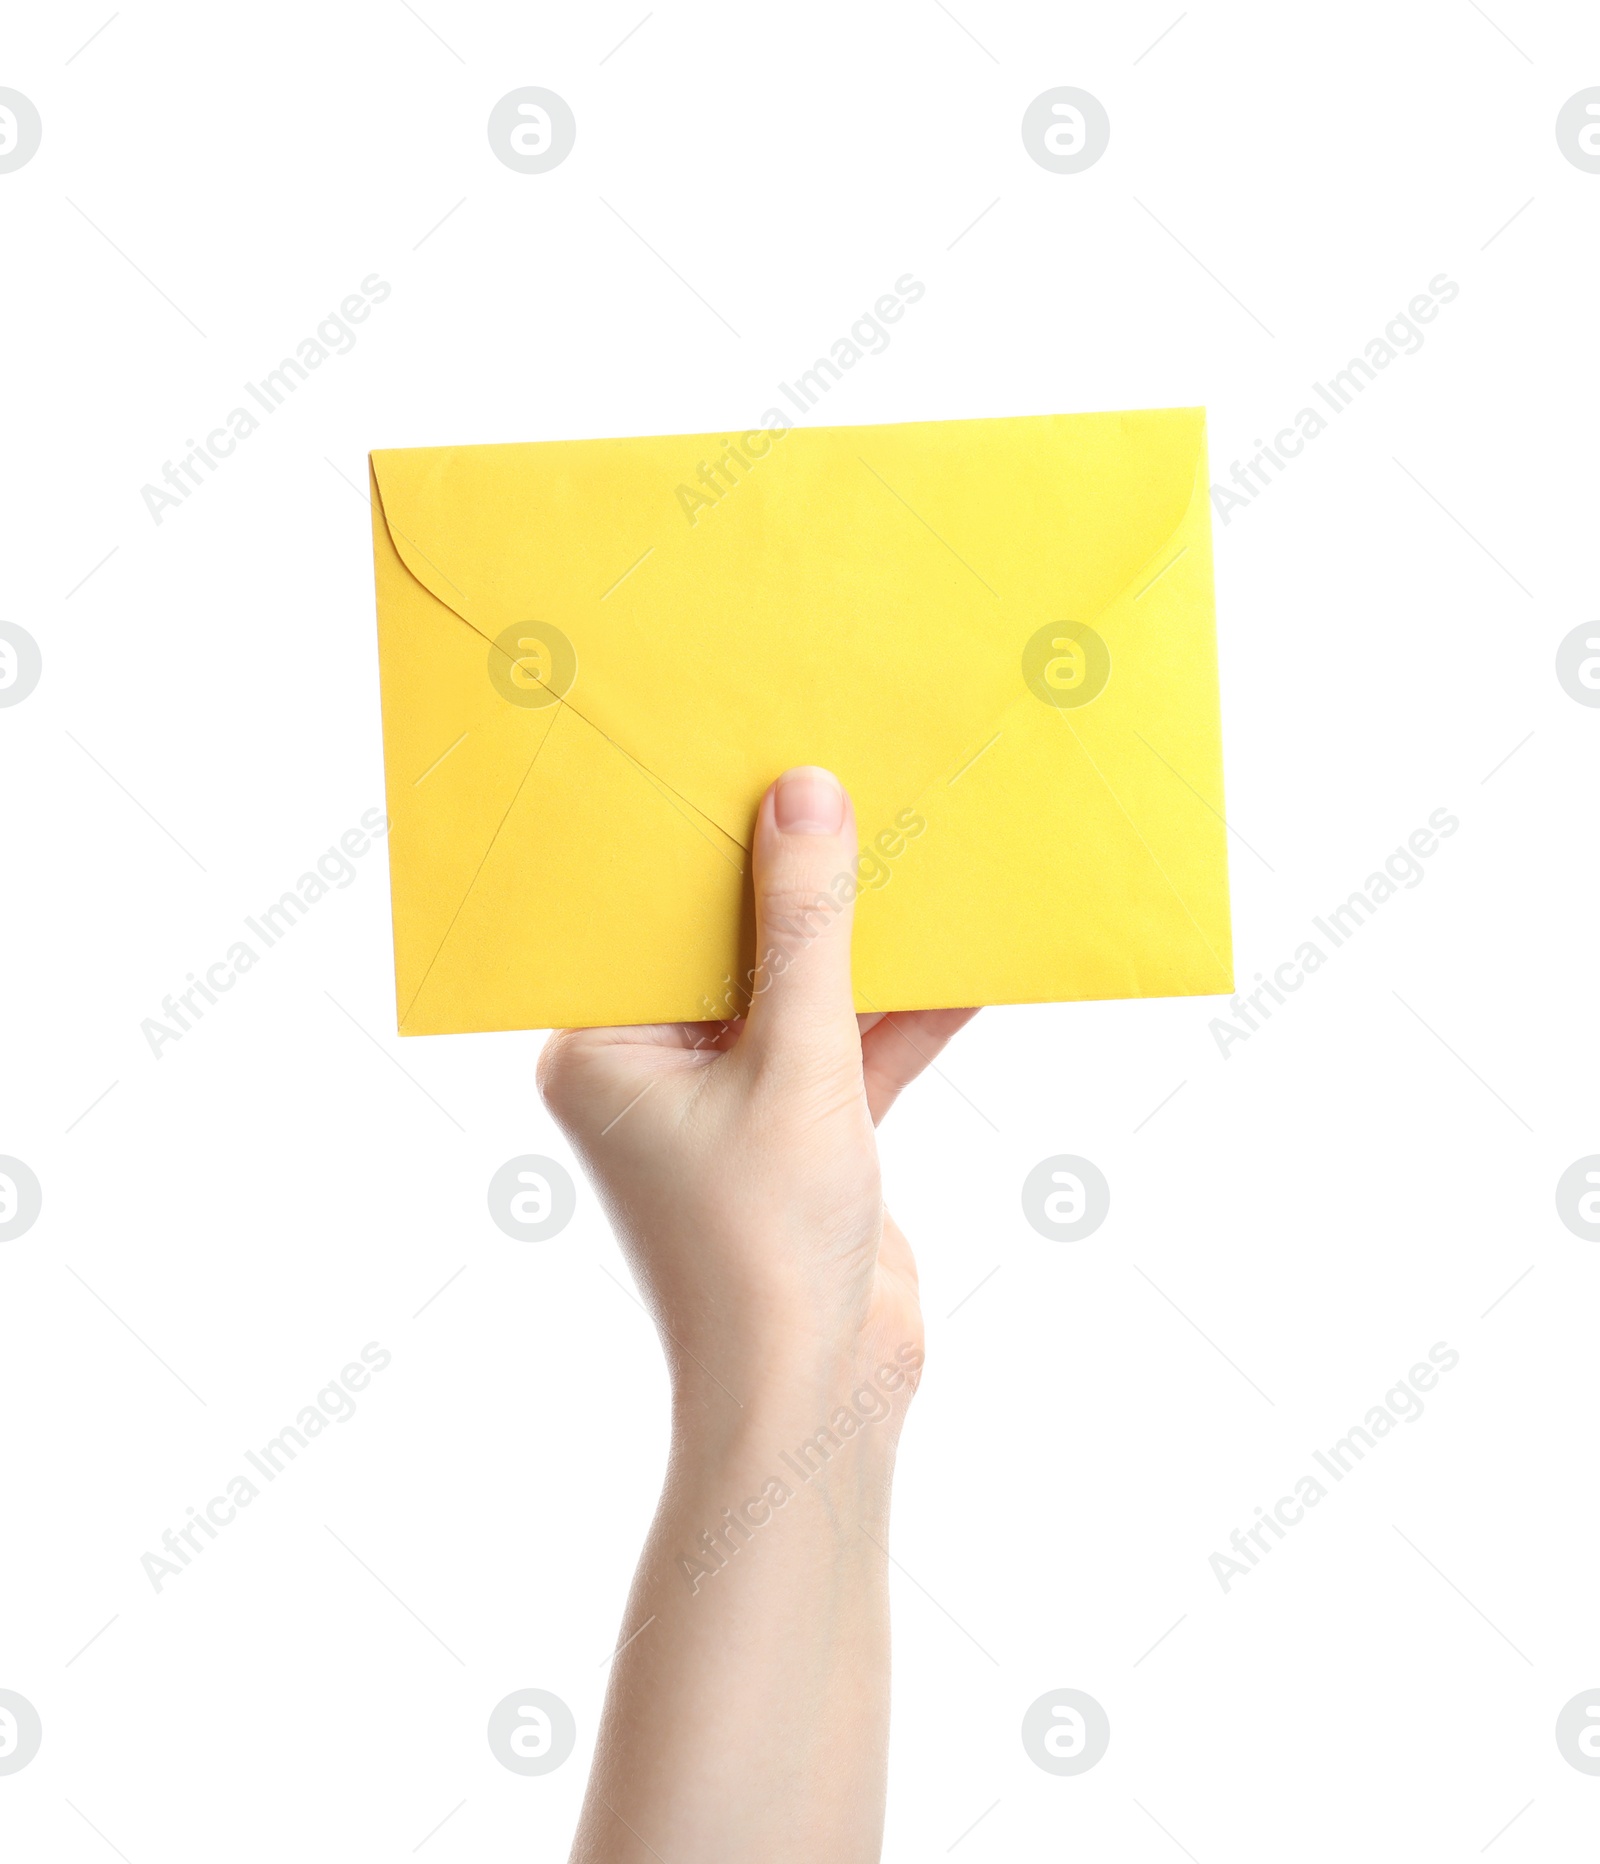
x=797 y=909
x=553 y=1075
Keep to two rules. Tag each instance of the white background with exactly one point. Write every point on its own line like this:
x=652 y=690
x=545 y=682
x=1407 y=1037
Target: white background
x=1295 y=1227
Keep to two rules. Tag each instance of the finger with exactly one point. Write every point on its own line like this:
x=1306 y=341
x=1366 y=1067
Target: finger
x=590 y=1079
x=572 y=1056
x=897 y=1049
x=703 y=1035
x=805 y=862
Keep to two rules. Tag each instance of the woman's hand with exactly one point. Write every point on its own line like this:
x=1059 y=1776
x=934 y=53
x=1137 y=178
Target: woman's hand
x=737 y=1160
x=747 y=1717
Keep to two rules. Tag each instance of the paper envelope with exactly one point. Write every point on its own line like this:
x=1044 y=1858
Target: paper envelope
x=596 y=655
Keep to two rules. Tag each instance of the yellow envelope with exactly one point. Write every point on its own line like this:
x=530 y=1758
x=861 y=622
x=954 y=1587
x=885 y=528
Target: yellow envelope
x=597 y=654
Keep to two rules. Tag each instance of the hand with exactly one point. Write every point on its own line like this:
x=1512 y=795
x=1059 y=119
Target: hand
x=747 y=1715
x=737 y=1160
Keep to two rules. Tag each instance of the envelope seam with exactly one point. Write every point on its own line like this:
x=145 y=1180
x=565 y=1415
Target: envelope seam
x=673 y=798
x=1095 y=615
x=478 y=870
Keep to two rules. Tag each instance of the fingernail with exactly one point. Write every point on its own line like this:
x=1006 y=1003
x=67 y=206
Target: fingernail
x=808 y=801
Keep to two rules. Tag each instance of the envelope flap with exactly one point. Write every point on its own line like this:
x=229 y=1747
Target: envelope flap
x=856 y=597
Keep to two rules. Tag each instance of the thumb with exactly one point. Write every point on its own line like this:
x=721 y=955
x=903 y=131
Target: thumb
x=805 y=883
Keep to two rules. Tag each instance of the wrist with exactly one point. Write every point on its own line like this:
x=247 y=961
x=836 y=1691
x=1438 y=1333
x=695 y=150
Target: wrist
x=804 y=1469
x=798 y=1413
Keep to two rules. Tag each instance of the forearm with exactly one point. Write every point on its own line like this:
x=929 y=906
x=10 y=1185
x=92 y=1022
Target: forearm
x=747 y=1717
